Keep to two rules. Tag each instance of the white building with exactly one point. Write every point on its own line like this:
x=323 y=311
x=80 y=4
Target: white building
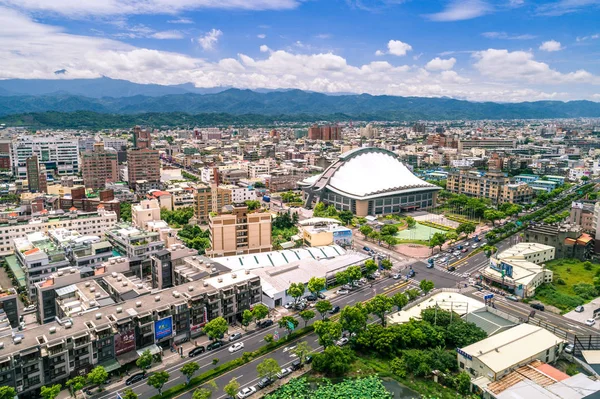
x=369 y=131
x=144 y=212
x=114 y=143
x=578 y=172
x=57 y=153
x=239 y=194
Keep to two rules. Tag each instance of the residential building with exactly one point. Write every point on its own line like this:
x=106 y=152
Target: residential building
x=237 y=231
x=86 y=251
x=143 y=163
x=369 y=131
x=569 y=240
x=60 y=155
x=582 y=214
x=220 y=197
x=99 y=167
x=146 y=211
x=164 y=263
x=493 y=144
x=325 y=133
x=202 y=203
x=521 y=268
x=493 y=185
x=79 y=200
x=9 y=308
x=36 y=175
x=137 y=244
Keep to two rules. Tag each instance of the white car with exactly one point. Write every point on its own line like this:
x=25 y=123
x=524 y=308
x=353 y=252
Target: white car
x=289 y=305
x=456 y=253
x=397 y=276
x=474 y=246
x=342 y=292
x=343 y=341
x=246 y=393
x=284 y=372
x=29 y=308
x=236 y=347
x=590 y=322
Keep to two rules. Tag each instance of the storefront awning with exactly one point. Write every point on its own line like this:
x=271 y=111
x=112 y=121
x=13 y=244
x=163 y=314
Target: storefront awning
x=154 y=350
x=110 y=365
x=128 y=357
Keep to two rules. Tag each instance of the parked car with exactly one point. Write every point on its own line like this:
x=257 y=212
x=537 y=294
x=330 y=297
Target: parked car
x=538 y=306
x=296 y=364
x=474 y=245
x=214 y=345
x=29 y=308
x=342 y=341
x=300 y=306
x=464 y=250
x=322 y=296
x=367 y=249
x=590 y=322
x=579 y=309
x=135 y=378
x=397 y=276
x=311 y=298
x=265 y=323
x=346 y=287
x=430 y=265
x=246 y=393
x=513 y=298
x=334 y=310
x=235 y=336
x=288 y=305
x=377 y=274
x=197 y=351
x=342 y=292
x=265 y=382
x=456 y=253
x=308 y=359
x=569 y=348
x=411 y=273
x=236 y=347
x=451 y=268
x=284 y=372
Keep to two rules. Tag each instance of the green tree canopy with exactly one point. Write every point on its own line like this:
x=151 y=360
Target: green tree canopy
x=189 y=369
x=323 y=307
x=426 y=285
x=379 y=305
x=97 y=376
x=307 y=315
x=232 y=387
x=129 y=394
x=333 y=361
x=145 y=360
x=289 y=323
x=260 y=311
x=75 y=384
x=328 y=332
x=400 y=300
x=354 y=318
x=296 y=290
x=316 y=285
x=50 y=392
x=158 y=380
x=268 y=368
x=216 y=328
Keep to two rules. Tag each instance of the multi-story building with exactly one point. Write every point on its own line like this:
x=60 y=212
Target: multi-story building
x=82 y=251
x=493 y=144
x=582 y=214
x=325 y=133
x=99 y=167
x=144 y=212
x=493 y=185
x=237 y=231
x=9 y=308
x=202 y=203
x=79 y=200
x=58 y=154
x=220 y=196
x=143 y=163
x=569 y=240
x=137 y=244
x=111 y=335
x=36 y=175
x=88 y=223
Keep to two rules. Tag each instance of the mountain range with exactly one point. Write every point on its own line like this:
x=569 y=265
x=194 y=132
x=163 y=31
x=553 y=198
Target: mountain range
x=110 y=96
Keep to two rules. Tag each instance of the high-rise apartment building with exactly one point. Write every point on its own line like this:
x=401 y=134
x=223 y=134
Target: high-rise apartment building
x=326 y=133
x=237 y=231
x=37 y=180
x=57 y=153
x=143 y=163
x=99 y=167
x=202 y=203
x=493 y=185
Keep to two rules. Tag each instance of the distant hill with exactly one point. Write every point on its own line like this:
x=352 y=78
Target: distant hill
x=109 y=96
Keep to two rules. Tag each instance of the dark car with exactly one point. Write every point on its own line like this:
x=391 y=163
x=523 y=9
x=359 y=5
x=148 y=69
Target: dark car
x=311 y=298
x=321 y=295
x=265 y=323
x=334 y=310
x=214 y=345
x=538 y=306
x=135 y=378
x=367 y=249
x=197 y=351
x=451 y=268
x=296 y=364
x=265 y=382
x=308 y=359
x=411 y=273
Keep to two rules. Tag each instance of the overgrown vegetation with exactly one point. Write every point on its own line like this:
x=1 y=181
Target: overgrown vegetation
x=283 y=228
x=299 y=388
x=194 y=237
x=178 y=217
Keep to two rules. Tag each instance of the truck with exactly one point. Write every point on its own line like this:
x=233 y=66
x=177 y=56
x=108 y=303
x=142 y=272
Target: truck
x=266 y=198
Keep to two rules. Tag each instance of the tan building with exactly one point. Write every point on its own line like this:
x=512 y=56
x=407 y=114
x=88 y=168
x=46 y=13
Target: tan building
x=202 y=203
x=145 y=212
x=493 y=185
x=99 y=167
x=220 y=196
x=143 y=165
x=237 y=231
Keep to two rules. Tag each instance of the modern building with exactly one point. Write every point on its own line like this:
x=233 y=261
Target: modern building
x=369 y=181
x=493 y=185
x=144 y=212
x=82 y=251
x=318 y=232
x=80 y=200
x=569 y=240
x=221 y=196
x=202 y=203
x=238 y=231
x=325 y=133
x=60 y=155
x=521 y=268
x=143 y=163
x=99 y=167
x=37 y=180
x=369 y=131
x=136 y=244
x=493 y=144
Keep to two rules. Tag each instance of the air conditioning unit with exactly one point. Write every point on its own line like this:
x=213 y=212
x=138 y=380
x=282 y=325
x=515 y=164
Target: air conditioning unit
x=220 y=279
x=92 y=289
x=157 y=298
x=1 y=345
x=205 y=283
x=98 y=316
x=114 y=274
x=119 y=278
x=68 y=324
x=87 y=283
x=119 y=310
x=125 y=283
x=52 y=330
x=138 y=304
x=233 y=275
x=190 y=288
x=17 y=340
x=176 y=294
x=97 y=295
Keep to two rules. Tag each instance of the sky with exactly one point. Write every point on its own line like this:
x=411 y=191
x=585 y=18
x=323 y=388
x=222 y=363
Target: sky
x=478 y=50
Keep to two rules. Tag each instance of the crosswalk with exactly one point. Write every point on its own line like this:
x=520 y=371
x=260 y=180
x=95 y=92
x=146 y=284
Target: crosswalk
x=455 y=273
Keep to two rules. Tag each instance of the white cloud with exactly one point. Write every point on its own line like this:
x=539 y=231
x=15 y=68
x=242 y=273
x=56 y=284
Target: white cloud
x=264 y=48
x=590 y=37
x=459 y=10
x=395 y=47
x=168 y=34
x=96 y=8
x=210 y=39
x=323 y=36
x=551 y=45
x=562 y=7
x=453 y=77
x=440 y=64
x=504 y=35
x=261 y=36
x=180 y=21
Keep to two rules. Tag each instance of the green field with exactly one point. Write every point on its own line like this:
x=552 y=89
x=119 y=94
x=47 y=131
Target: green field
x=419 y=232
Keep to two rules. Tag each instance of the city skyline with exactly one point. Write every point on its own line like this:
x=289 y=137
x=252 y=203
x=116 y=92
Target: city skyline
x=477 y=50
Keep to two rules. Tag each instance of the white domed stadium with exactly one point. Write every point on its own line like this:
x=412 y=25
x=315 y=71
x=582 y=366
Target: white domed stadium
x=370 y=181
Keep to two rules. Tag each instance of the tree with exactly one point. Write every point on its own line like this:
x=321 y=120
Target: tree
x=437 y=240
x=389 y=230
x=390 y=241
x=145 y=360
x=370 y=266
x=342 y=277
x=216 y=328
x=260 y=311
x=316 y=285
x=400 y=300
x=158 y=380
x=354 y=318
x=189 y=369
x=323 y=307
x=584 y=178
x=365 y=230
x=375 y=236
x=125 y=208
x=466 y=228
x=387 y=264
x=50 y=392
x=97 y=376
x=296 y=290
x=129 y=394
x=452 y=236
x=302 y=350
x=346 y=216
x=75 y=384
x=426 y=285
x=232 y=387
x=463 y=383
x=247 y=317
x=489 y=250
x=306 y=315
x=289 y=323
x=202 y=393
x=379 y=305
x=7 y=392
x=411 y=222
x=354 y=273
x=333 y=361
x=268 y=368
x=493 y=215
x=252 y=204
x=328 y=332
x=412 y=293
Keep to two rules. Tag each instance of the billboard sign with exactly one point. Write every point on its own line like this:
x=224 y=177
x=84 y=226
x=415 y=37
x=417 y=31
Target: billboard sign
x=342 y=237
x=163 y=328
x=124 y=342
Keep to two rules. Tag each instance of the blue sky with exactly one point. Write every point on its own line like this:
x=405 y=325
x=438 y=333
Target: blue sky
x=499 y=50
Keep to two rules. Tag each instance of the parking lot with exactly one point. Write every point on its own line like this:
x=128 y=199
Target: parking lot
x=586 y=314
